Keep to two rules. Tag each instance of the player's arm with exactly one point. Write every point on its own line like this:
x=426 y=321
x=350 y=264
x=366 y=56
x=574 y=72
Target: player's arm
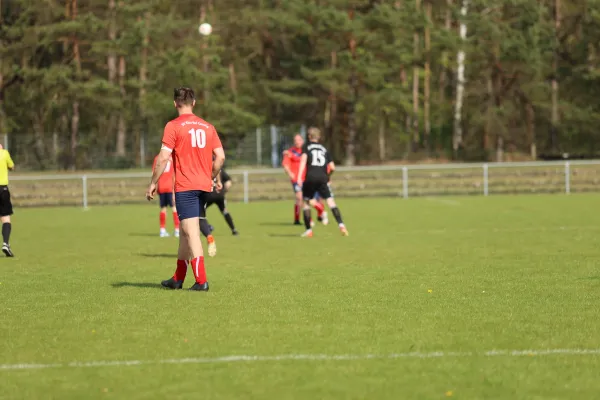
x=286 y=165
x=218 y=182
x=218 y=162
x=9 y=162
x=330 y=168
x=161 y=163
x=302 y=168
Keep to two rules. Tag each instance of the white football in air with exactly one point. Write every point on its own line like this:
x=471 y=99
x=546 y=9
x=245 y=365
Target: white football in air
x=205 y=29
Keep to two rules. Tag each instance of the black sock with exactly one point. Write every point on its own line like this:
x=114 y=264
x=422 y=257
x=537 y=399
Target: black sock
x=336 y=213
x=229 y=221
x=204 y=227
x=6 y=227
x=307 y=218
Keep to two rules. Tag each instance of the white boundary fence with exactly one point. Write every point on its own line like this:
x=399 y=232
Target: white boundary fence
x=405 y=170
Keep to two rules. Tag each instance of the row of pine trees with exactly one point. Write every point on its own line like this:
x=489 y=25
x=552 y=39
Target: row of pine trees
x=384 y=79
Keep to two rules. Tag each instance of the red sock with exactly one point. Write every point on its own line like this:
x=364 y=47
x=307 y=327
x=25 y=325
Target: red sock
x=319 y=207
x=163 y=219
x=175 y=220
x=181 y=270
x=296 y=212
x=198 y=268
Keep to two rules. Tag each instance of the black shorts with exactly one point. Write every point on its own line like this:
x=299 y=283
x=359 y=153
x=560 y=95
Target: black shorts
x=216 y=198
x=165 y=200
x=310 y=189
x=6 y=208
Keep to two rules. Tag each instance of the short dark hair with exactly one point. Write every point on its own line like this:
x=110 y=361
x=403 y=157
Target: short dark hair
x=184 y=96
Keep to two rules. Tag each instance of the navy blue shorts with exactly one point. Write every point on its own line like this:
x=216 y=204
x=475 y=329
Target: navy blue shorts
x=297 y=188
x=190 y=204
x=165 y=200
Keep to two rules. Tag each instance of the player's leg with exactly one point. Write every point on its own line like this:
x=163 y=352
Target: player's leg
x=206 y=230
x=307 y=193
x=298 y=205
x=320 y=207
x=325 y=191
x=222 y=204
x=163 y=203
x=175 y=216
x=190 y=247
x=5 y=213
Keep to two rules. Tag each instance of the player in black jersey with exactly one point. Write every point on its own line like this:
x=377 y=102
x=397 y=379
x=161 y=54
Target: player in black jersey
x=218 y=198
x=317 y=163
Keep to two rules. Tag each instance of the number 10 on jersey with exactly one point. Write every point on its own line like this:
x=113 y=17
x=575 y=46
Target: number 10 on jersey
x=198 y=137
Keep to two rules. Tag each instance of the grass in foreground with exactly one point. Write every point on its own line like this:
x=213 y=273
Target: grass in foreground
x=462 y=275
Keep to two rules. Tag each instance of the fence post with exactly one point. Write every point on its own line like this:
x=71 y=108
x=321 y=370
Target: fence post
x=303 y=131
x=85 y=191
x=405 y=182
x=142 y=150
x=258 y=146
x=274 y=147
x=246 y=188
x=567 y=178
x=485 y=180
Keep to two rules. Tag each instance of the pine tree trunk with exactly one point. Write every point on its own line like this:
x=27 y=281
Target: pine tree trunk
x=350 y=157
x=121 y=128
x=415 y=94
x=381 y=134
x=331 y=113
x=112 y=36
x=75 y=104
x=232 y=79
x=460 y=83
x=555 y=118
x=427 y=82
x=531 y=130
x=111 y=64
x=205 y=59
x=443 y=73
x=143 y=82
x=489 y=114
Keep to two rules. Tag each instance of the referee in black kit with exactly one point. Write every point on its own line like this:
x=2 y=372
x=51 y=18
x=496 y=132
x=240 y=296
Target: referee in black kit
x=6 y=209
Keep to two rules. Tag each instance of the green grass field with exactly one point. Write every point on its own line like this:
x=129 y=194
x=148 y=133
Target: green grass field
x=408 y=306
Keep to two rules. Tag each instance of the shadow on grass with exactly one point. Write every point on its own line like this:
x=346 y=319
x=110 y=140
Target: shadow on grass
x=590 y=278
x=284 y=235
x=138 y=234
x=275 y=224
x=159 y=255
x=137 y=284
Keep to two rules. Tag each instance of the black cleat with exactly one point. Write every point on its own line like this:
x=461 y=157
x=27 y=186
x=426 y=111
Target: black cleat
x=172 y=284
x=200 y=287
x=7 y=251
x=320 y=219
x=297 y=223
x=235 y=232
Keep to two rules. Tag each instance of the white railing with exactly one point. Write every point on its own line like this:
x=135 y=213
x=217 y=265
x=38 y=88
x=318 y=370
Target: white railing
x=520 y=169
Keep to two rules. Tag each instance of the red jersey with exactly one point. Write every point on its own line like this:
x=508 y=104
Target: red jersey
x=165 y=182
x=291 y=159
x=192 y=141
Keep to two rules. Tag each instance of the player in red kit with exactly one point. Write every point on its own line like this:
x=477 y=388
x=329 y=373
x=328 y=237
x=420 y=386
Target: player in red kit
x=291 y=165
x=166 y=197
x=192 y=143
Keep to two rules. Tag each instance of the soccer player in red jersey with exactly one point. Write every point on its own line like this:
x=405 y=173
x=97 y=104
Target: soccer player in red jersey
x=291 y=165
x=192 y=143
x=166 y=197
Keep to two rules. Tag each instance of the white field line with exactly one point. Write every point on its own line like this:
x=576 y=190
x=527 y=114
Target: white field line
x=501 y=230
x=307 y=357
